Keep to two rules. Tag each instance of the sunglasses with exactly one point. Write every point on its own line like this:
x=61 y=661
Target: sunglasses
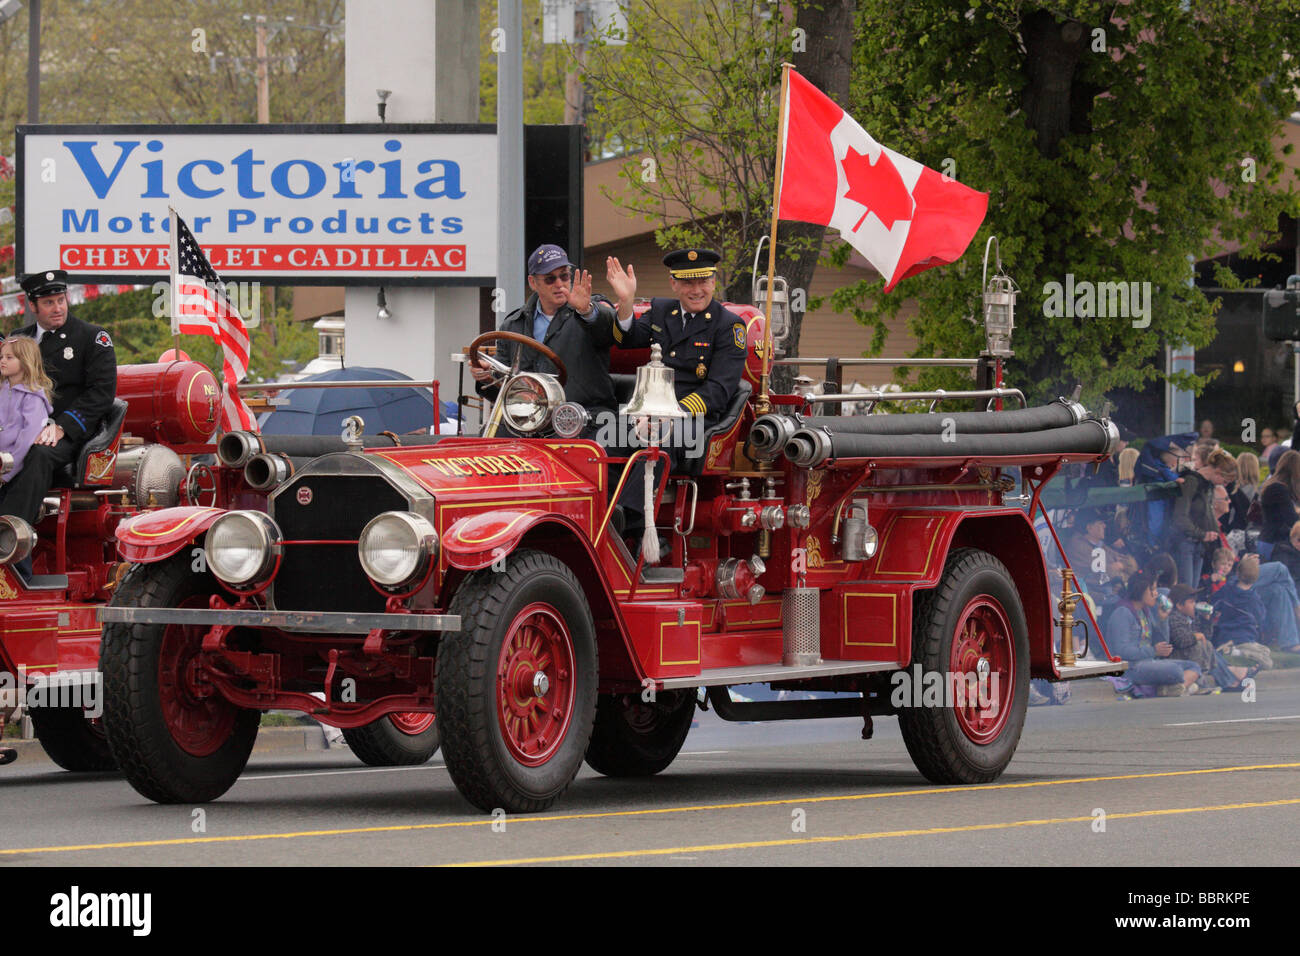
x=555 y=277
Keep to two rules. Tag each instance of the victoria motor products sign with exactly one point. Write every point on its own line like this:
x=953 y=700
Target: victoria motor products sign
x=338 y=205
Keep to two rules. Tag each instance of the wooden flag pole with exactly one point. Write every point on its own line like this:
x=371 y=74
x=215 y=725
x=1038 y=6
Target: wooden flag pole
x=171 y=283
x=764 y=403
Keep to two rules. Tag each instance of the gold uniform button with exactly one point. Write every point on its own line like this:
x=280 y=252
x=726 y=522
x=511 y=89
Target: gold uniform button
x=672 y=355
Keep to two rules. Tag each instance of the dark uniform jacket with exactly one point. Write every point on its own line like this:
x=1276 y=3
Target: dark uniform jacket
x=584 y=349
x=707 y=359
x=80 y=359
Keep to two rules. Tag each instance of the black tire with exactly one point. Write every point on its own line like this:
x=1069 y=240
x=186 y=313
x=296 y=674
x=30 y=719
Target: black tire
x=636 y=738
x=384 y=742
x=497 y=755
x=72 y=740
x=956 y=745
x=199 y=753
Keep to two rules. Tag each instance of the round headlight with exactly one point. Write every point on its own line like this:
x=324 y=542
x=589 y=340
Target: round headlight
x=529 y=400
x=396 y=548
x=241 y=548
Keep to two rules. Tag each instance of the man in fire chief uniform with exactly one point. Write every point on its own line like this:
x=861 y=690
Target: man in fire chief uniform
x=80 y=359
x=702 y=342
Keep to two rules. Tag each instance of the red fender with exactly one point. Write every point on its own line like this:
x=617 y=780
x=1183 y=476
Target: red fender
x=476 y=541
x=155 y=535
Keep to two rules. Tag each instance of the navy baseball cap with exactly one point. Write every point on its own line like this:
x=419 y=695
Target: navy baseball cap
x=547 y=258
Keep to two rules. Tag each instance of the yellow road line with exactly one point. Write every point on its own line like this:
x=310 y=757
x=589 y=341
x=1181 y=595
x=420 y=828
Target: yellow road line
x=523 y=818
x=880 y=835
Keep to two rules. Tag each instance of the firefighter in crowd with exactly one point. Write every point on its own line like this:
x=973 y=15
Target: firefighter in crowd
x=702 y=342
x=80 y=360
x=563 y=315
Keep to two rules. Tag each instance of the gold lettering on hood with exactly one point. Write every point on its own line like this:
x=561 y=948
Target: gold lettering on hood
x=477 y=465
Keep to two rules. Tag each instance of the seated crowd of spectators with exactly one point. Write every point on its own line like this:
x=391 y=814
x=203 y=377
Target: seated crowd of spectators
x=1205 y=566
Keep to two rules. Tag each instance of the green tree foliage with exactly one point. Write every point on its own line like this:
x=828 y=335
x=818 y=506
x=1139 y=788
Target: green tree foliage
x=545 y=66
x=1114 y=142
x=692 y=99
x=140 y=61
x=276 y=346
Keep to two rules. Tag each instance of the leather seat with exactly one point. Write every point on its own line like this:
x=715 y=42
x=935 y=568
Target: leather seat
x=624 y=386
x=693 y=465
x=105 y=437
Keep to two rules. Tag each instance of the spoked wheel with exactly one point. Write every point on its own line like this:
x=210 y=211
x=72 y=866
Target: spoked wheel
x=638 y=738
x=72 y=739
x=394 y=740
x=516 y=689
x=971 y=629
x=176 y=738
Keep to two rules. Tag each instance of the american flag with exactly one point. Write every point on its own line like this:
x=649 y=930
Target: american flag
x=200 y=307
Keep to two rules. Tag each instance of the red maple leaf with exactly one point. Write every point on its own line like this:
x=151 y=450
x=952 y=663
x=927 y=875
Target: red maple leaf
x=876 y=186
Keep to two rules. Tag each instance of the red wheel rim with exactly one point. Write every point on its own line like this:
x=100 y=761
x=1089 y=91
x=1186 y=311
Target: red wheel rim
x=412 y=724
x=983 y=646
x=535 y=684
x=198 y=718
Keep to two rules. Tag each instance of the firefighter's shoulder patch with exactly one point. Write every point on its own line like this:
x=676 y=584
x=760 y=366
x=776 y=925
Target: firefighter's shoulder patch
x=738 y=334
x=103 y=340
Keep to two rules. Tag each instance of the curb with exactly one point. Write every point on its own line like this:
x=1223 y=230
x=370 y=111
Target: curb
x=269 y=740
x=1097 y=690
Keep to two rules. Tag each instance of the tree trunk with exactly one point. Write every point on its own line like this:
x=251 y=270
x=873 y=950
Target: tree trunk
x=1057 y=104
x=828 y=27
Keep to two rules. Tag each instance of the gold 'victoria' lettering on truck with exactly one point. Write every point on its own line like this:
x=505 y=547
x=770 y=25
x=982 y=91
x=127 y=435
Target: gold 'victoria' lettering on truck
x=482 y=465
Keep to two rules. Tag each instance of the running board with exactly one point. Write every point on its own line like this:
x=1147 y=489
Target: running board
x=765 y=673
x=1091 y=669
x=822 y=707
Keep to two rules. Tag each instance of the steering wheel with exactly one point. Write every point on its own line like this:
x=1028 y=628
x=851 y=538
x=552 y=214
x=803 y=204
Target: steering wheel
x=200 y=480
x=487 y=337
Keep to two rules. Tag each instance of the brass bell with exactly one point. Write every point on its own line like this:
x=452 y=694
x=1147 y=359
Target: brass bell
x=654 y=395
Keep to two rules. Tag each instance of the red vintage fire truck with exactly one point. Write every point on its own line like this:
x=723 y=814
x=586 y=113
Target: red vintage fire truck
x=481 y=579
x=49 y=635
x=49 y=638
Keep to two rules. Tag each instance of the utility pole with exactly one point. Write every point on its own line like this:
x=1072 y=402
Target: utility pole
x=34 y=62
x=575 y=93
x=510 y=146
x=263 y=75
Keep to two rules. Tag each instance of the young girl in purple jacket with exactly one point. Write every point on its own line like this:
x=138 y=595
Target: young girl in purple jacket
x=24 y=398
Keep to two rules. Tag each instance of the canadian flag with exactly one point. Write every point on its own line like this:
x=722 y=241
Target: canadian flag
x=902 y=216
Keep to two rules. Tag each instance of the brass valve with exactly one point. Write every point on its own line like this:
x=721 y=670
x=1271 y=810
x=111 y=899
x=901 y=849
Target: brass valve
x=1069 y=601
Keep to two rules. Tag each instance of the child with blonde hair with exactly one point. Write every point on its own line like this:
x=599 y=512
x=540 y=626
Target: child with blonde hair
x=24 y=409
x=24 y=399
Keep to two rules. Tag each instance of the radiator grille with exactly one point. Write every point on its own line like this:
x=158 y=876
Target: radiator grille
x=328 y=577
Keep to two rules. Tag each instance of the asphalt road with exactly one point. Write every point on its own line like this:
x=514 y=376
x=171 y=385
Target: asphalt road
x=1183 y=781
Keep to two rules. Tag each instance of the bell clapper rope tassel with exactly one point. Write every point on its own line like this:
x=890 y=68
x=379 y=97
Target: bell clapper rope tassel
x=650 y=537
